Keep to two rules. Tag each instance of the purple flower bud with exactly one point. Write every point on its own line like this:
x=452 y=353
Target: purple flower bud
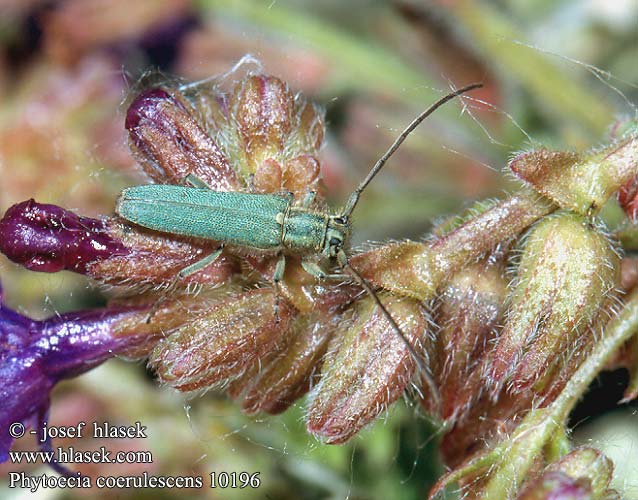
x=48 y=238
x=141 y=108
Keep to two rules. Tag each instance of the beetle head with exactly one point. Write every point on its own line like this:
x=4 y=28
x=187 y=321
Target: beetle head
x=337 y=235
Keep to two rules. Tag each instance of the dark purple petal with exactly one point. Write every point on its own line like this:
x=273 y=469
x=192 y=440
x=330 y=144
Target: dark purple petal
x=35 y=355
x=24 y=389
x=48 y=238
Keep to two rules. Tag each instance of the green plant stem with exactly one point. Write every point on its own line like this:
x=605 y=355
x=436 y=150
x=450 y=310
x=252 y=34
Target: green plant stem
x=521 y=452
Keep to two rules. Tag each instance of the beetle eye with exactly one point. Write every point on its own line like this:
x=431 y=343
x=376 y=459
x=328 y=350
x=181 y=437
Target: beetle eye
x=340 y=220
x=335 y=242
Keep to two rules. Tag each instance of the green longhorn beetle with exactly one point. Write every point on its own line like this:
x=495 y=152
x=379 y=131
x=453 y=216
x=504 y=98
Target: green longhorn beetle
x=271 y=223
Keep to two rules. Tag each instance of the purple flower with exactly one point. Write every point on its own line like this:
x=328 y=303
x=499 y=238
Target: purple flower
x=35 y=355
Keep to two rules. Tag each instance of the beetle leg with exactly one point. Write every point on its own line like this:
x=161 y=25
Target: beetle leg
x=308 y=199
x=195 y=181
x=276 y=278
x=183 y=273
x=251 y=183
x=200 y=264
x=315 y=270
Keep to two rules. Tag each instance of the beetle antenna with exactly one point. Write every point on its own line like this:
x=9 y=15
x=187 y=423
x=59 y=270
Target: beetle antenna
x=423 y=368
x=354 y=197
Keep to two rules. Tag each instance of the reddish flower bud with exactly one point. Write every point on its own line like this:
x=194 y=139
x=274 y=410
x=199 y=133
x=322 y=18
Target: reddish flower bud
x=417 y=269
x=304 y=291
x=301 y=174
x=628 y=198
x=169 y=143
x=223 y=342
x=585 y=473
x=628 y=273
x=268 y=177
x=566 y=274
x=482 y=420
x=471 y=306
x=366 y=369
x=290 y=373
x=156 y=258
x=557 y=486
x=580 y=183
x=278 y=136
x=405 y=268
x=266 y=136
x=263 y=108
x=210 y=104
x=311 y=126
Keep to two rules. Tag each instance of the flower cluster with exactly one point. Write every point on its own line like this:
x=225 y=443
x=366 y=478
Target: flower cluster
x=505 y=302
x=257 y=137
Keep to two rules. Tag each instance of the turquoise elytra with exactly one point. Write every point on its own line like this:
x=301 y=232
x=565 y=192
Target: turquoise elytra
x=259 y=221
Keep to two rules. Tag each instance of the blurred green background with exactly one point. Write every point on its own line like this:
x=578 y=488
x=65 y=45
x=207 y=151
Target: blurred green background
x=556 y=73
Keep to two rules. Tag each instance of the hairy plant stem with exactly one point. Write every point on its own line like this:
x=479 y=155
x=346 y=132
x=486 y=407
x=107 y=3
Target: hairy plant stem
x=424 y=267
x=484 y=232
